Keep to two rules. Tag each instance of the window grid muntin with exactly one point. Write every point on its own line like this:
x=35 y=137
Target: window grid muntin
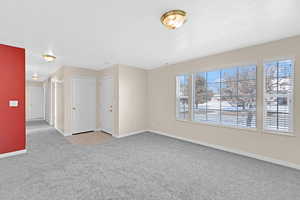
x=220 y=110
x=180 y=81
x=288 y=94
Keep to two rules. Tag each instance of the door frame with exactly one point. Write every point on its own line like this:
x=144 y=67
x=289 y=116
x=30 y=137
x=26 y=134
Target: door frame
x=29 y=114
x=107 y=77
x=52 y=102
x=72 y=99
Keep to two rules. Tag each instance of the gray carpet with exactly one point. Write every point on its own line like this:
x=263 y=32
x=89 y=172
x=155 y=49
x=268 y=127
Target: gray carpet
x=141 y=167
x=37 y=125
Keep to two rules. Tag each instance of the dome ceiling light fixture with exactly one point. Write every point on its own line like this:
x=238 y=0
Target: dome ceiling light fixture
x=35 y=76
x=173 y=19
x=49 y=57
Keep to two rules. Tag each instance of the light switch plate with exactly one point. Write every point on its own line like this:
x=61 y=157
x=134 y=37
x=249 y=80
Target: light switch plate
x=13 y=103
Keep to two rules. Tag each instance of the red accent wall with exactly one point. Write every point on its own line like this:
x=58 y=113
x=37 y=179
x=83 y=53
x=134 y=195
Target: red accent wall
x=12 y=87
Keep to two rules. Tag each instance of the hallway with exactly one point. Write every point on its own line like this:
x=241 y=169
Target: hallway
x=37 y=125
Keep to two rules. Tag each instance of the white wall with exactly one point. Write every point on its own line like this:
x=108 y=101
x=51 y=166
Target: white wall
x=47 y=88
x=57 y=99
x=28 y=94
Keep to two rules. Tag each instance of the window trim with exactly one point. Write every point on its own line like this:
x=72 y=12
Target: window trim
x=279 y=132
x=259 y=63
x=220 y=124
x=189 y=101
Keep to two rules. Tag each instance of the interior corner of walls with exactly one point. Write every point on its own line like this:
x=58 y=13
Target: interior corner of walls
x=130 y=133
x=64 y=133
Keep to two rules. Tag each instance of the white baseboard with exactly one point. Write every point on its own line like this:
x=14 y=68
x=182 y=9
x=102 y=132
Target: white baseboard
x=131 y=133
x=35 y=119
x=38 y=130
x=15 y=153
x=235 y=151
x=63 y=133
x=67 y=134
x=98 y=129
x=60 y=131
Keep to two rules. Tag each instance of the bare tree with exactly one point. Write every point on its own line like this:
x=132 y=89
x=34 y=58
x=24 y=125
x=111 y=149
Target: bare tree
x=201 y=93
x=239 y=91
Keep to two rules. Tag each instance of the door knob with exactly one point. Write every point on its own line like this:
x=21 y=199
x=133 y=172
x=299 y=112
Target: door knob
x=73 y=108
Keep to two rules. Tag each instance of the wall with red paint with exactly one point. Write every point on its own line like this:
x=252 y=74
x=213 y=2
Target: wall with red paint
x=12 y=87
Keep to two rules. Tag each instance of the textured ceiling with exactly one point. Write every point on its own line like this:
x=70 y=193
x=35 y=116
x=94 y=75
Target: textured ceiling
x=97 y=33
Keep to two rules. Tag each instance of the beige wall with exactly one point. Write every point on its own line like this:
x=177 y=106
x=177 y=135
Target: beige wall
x=161 y=88
x=129 y=102
x=133 y=99
x=145 y=100
x=130 y=99
x=63 y=97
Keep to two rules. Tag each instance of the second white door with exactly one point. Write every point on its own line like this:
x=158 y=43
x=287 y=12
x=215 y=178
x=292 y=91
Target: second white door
x=83 y=105
x=35 y=103
x=106 y=105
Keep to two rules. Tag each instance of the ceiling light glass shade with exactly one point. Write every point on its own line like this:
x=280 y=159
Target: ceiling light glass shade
x=35 y=76
x=49 y=57
x=173 y=19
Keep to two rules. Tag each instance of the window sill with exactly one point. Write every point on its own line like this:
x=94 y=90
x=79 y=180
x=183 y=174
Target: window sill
x=278 y=133
x=219 y=125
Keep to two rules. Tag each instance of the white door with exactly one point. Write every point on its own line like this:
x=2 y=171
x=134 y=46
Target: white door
x=106 y=105
x=35 y=102
x=83 y=105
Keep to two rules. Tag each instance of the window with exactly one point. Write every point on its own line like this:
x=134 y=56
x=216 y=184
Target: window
x=278 y=95
x=182 y=97
x=226 y=97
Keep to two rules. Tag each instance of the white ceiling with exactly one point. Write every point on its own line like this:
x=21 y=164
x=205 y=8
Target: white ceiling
x=98 y=33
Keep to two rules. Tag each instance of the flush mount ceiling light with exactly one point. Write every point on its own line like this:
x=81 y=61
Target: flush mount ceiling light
x=49 y=57
x=35 y=76
x=173 y=19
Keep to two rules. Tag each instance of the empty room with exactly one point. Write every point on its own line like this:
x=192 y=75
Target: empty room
x=150 y=100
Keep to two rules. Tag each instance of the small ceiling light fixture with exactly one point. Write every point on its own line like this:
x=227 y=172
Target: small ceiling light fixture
x=49 y=57
x=35 y=76
x=173 y=19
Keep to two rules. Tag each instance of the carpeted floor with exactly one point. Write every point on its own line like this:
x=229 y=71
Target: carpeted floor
x=37 y=125
x=140 y=167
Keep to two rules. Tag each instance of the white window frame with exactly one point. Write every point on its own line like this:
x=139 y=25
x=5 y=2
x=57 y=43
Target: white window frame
x=279 y=132
x=220 y=124
x=189 y=97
